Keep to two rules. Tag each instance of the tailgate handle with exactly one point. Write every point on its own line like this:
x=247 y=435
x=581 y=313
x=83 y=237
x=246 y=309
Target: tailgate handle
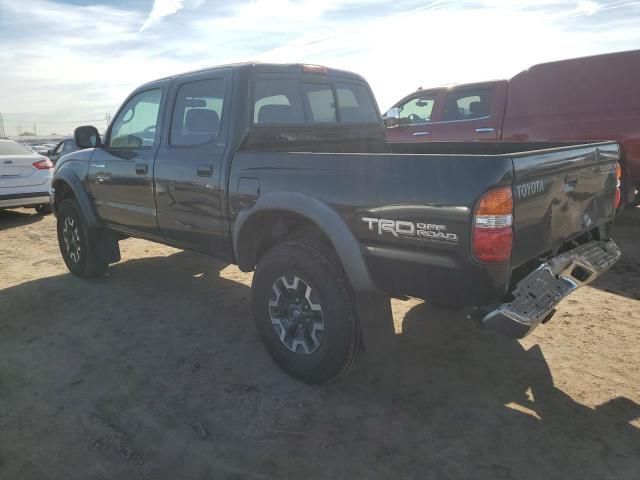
x=571 y=179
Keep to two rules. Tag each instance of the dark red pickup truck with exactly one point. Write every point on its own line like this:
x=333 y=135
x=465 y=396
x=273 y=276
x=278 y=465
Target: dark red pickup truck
x=582 y=99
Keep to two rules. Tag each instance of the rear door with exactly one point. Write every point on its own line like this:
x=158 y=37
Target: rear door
x=469 y=114
x=559 y=194
x=415 y=121
x=188 y=169
x=121 y=173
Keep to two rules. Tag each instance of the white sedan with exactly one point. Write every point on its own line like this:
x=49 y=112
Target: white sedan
x=25 y=177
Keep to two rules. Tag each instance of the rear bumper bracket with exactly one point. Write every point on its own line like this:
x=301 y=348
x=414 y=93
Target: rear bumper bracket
x=536 y=296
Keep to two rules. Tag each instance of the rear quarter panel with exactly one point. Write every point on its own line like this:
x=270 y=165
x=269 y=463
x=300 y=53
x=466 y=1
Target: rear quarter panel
x=435 y=190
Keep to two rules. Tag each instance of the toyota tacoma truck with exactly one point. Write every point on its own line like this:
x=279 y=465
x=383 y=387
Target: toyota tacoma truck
x=285 y=170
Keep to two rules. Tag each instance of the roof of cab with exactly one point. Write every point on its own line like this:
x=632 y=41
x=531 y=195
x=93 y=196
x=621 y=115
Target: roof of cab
x=258 y=67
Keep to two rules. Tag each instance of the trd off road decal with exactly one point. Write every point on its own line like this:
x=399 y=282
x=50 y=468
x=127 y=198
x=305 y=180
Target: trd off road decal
x=411 y=230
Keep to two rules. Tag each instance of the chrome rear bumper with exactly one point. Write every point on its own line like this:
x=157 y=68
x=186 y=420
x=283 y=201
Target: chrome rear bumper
x=536 y=296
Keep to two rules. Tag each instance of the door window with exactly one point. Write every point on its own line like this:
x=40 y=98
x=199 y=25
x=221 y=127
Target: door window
x=466 y=105
x=416 y=110
x=135 y=126
x=197 y=112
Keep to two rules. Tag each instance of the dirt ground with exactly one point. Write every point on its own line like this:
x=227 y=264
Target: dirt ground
x=157 y=372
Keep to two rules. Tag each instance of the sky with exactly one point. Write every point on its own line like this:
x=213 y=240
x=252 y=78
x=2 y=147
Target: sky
x=66 y=63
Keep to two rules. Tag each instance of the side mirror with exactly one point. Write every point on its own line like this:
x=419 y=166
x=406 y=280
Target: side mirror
x=391 y=118
x=87 y=137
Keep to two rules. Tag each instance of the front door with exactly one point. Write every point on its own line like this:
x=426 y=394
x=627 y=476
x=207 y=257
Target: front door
x=414 y=123
x=121 y=172
x=188 y=171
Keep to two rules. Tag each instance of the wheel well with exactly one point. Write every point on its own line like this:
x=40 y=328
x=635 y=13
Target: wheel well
x=63 y=191
x=269 y=228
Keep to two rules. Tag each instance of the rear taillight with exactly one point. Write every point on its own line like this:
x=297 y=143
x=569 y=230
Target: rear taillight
x=492 y=226
x=44 y=164
x=618 y=195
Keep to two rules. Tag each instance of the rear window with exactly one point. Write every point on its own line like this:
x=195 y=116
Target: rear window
x=356 y=104
x=322 y=105
x=279 y=101
x=14 y=148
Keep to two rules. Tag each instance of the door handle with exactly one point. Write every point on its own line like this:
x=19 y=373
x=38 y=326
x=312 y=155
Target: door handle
x=484 y=130
x=205 y=170
x=419 y=134
x=142 y=168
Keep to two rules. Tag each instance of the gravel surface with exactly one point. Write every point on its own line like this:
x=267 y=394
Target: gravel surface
x=156 y=371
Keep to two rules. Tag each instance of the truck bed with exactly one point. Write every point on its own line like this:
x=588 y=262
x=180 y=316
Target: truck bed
x=440 y=184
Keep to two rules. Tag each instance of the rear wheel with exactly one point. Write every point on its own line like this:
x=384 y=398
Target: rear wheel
x=43 y=209
x=305 y=314
x=79 y=245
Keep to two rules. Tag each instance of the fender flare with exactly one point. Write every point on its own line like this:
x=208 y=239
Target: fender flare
x=71 y=179
x=318 y=212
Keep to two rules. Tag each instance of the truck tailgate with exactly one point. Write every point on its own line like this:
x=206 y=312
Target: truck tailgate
x=560 y=194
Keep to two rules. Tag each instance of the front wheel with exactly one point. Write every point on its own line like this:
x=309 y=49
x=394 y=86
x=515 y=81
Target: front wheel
x=305 y=312
x=79 y=246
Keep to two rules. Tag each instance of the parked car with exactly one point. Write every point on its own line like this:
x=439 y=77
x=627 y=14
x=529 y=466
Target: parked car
x=67 y=145
x=25 y=177
x=285 y=169
x=582 y=99
x=39 y=149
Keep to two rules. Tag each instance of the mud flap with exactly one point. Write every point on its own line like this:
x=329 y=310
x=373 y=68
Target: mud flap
x=376 y=324
x=109 y=245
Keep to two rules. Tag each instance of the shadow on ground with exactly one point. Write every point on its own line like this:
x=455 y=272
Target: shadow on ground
x=624 y=277
x=12 y=218
x=157 y=372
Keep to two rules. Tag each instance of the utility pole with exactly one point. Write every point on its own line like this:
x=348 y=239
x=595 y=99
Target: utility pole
x=35 y=130
x=20 y=129
x=2 y=132
x=107 y=118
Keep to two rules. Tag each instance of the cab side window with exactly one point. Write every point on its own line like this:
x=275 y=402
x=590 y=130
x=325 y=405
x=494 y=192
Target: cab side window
x=135 y=126
x=416 y=110
x=466 y=105
x=197 y=112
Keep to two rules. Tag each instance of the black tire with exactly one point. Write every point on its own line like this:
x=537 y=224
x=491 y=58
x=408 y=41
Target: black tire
x=43 y=209
x=341 y=341
x=79 y=245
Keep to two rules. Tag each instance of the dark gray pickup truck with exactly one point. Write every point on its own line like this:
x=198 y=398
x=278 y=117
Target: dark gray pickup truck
x=285 y=169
